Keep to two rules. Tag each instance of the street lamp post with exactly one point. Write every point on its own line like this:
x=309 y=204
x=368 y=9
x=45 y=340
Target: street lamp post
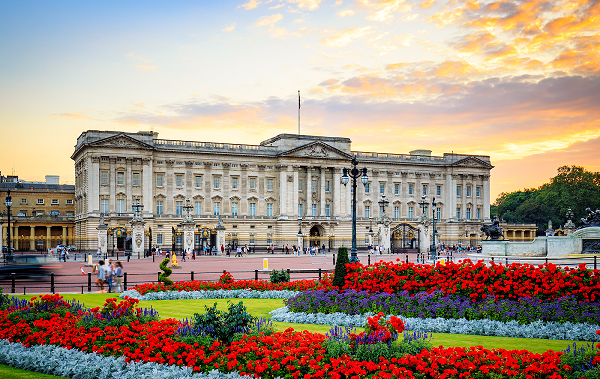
x=424 y=203
x=8 y=203
x=354 y=173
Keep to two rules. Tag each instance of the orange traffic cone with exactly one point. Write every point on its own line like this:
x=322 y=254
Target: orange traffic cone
x=82 y=272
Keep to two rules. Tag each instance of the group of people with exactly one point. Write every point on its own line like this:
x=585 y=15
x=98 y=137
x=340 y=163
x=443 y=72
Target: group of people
x=109 y=273
x=376 y=249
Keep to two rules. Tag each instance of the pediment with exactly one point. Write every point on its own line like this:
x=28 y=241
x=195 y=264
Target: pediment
x=121 y=141
x=472 y=162
x=316 y=149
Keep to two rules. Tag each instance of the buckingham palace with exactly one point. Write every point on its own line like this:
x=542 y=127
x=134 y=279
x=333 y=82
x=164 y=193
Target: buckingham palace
x=285 y=191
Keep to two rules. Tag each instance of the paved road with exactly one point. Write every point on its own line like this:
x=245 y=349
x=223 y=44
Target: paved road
x=68 y=277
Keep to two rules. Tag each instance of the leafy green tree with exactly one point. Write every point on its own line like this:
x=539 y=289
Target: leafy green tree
x=572 y=188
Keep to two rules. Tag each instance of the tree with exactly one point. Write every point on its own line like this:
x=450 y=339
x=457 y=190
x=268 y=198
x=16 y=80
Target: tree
x=339 y=276
x=572 y=188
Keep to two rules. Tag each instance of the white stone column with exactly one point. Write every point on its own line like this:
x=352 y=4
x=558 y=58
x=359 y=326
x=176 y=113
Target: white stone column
x=283 y=195
x=450 y=197
x=296 y=201
x=147 y=185
x=322 y=197
x=128 y=186
x=486 y=198
x=308 y=192
x=188 y=236
x=139 y=237
x=336 y=192
x=94 y=185
x=1 y=233
x=112 y=203
x=103 y=238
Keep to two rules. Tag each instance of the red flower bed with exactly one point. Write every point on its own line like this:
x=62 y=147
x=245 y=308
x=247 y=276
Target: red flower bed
x=230 y=284
x=286 y=354
x=477 y=280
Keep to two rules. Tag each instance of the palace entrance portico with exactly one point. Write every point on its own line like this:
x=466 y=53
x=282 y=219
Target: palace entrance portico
x=405 y=238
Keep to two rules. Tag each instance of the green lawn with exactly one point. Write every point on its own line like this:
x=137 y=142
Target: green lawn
x=181 y=309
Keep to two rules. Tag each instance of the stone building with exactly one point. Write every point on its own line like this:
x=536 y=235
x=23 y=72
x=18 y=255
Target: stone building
x=42 y=214
x=266 y=194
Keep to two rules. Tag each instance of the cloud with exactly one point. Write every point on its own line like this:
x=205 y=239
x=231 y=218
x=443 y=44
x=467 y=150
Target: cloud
x=268 y=20
x=144 y=67
x=277 y=6
x=346 y=12
x=73 y=115
x=250 y=5
x=229 y=28
x=347 y=36
x=310 y=5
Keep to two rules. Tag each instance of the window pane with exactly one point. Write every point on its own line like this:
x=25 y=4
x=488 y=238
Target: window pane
x=198 y=181
x=411 y=189
x=217 y=182
x=396 y=212
x=269 y=209
x=198 y=207
x=252 y=209
x=368 y=188
x=234 y=183
x=179 y=180
x=159 y=180
x=314 y=209
x=438 y=191
x=367 y=211
x=382 y=188
x=104 y=177
x=234 y=209
x=269 y=184
x=159 y=207
x=424 y=189
x=217 y=209
x=120 y=178
x=396 y=189
x=327 y=210
x=179 y=207
x=252 y=183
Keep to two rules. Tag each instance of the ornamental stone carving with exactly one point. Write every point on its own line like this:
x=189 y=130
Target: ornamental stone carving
x=290 y=178
x=138 y=240
x=316 y=151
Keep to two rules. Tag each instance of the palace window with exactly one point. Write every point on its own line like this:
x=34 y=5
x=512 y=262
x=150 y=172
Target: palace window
x=478 y=191
x=300 y=185
x=438 y=213
x=327 y=186
x=468 y=191
x=251 y=239
x=54 y=202
x=396 y=189
x=120 y=178
x=103 y=205
x=458 y=191
x=234 y=183
x=368 y=188
x=411 y=189
x=458 y=212
x=478 y=213
x=217 y=182
x=198 y=208
x=396 y=212
x=468 y=213
x=104 y=178
x=314 y=209
x=367 y=211
x=424 y=189
x=382 y=188
x=269 y=184
x=135 y=179
x=234 y=209
x=198 y=181
x=438 y=190
x=252 y=184
x=313 y=187
x=217 y=208
x=300 y=210
x=179 y=181
x=252 y=209
x=269 y=209
x=327 y=208
x=159 y=238
x=179 y=208
x=159 y=207
x=120 y=205
x=411 y=212
x=70 y=202
x=23 y=201
x=160 y=179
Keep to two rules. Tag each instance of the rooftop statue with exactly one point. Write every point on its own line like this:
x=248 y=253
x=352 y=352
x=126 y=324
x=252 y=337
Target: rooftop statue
x=493 y=231
x=592 y=219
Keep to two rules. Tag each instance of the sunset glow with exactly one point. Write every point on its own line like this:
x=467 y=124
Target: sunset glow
x=516 y=80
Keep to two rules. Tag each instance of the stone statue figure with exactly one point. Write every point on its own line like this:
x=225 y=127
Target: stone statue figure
x=493 y=231
x=592 y=219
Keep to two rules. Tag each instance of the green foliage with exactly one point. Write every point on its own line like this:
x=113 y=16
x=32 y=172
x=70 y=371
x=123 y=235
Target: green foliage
x=200 y=339
x=340 y=267
x=224 y=325
x=573 y=187
x=279 y=276
x=4 y=300
x=579 y=358
x=166 y=272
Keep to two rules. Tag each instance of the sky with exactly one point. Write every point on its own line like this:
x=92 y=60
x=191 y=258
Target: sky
x=516 y=80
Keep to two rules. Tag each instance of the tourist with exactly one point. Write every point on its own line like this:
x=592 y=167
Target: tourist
x=109 y=275
x=118 y=273
x=99 y=253
x=101 y=275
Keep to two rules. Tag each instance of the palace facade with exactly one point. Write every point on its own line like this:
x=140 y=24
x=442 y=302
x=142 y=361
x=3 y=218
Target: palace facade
x=266 y=194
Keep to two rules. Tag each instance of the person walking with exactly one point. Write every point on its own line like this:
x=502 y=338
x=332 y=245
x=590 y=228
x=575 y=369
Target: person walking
x=100 y=275
x=183 y=254
x=119 y=276
x=109 y=275
x=99 y=253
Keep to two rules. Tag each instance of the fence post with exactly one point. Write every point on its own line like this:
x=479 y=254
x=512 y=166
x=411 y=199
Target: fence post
x=52 y=282
x=192 y=275
x=117 y=254
x=546 y=260
x=82 y=290
x=158 y=276
x=319 y=273
x=288 y=272
x=12 y=286
x=89 y=282
x=334 y=259
x=152 y=258
x=406 y=258
x=369 y=261
x=124 y=281
x=594 y=262
x=255 y=274
x=506 y=260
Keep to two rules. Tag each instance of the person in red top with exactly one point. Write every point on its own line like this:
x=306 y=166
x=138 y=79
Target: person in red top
x=222 y=249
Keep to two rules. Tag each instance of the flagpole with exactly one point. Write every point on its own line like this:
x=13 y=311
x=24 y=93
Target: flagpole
x=298 y=112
